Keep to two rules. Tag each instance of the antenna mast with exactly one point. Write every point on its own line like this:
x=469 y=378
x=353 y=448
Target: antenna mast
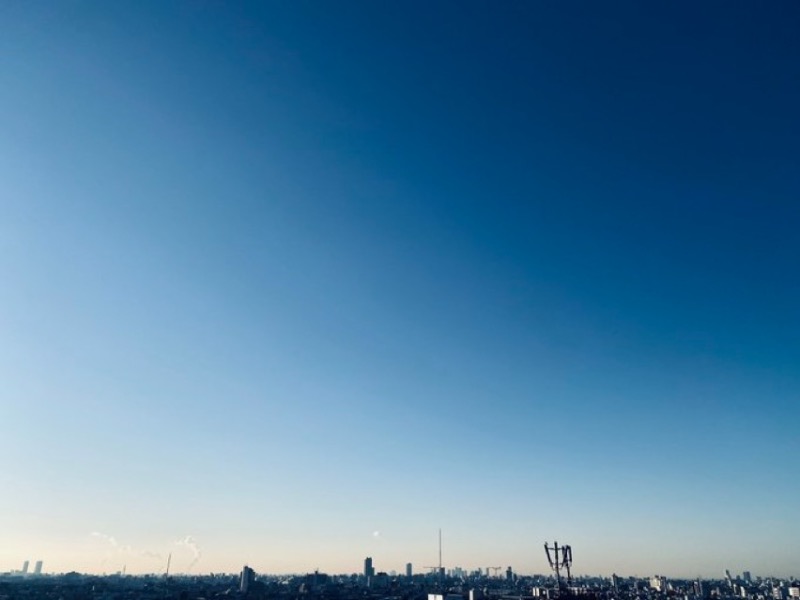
x=560 y=558
x=440 y=549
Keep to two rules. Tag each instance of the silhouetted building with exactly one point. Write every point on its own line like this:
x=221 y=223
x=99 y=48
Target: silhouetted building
x=369 y=570
x=247 y=579
x=409 y=572
x=37 y=569
x=25 y=567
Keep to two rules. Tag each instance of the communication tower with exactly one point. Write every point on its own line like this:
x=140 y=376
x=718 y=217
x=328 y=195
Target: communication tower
x=559 y=557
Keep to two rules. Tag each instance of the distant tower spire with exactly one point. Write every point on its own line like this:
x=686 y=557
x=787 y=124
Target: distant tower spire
x=440 y=549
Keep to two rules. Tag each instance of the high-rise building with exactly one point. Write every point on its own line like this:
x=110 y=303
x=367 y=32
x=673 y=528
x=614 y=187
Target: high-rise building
x=369 y=570
x=659 y=583
x=748 y=578
x=25 y=567
x=247 y=579
x=699 y=589
x=409 y=571
x=37 y=568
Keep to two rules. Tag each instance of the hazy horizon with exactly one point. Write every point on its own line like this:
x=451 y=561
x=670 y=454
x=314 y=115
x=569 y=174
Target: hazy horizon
x=186 y=559
x=280 y=275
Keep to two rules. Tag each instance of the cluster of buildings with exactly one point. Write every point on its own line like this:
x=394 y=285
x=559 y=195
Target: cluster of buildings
x=37 y=569
x=492 y=583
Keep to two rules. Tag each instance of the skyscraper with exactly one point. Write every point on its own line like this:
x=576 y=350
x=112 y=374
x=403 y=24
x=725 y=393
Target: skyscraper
x=247 y=578
x=699 y=589
x=369 y=570
x=659 y=583
x=25 y=567
x=37 y=569
x=408 y=570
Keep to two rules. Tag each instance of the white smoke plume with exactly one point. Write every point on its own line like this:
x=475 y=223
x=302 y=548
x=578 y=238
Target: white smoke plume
x=191 y=544
x=106 y=537
x=115 y=549
x=115 y=546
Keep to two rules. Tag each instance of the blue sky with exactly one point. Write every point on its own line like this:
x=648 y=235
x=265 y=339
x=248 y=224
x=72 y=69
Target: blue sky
x=306 y=282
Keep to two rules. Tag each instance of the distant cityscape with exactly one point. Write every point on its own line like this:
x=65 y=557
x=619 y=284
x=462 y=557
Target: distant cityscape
x=434 y=583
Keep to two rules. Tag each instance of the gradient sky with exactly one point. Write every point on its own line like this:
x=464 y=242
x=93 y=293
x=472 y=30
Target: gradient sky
x=306 y=281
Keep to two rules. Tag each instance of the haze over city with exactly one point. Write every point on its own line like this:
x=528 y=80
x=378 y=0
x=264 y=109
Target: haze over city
x=290 y=284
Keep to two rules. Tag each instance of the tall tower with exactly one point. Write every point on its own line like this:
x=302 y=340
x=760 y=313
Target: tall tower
x=25 y=567
x=561 y=558
x=440 y=572
x=441 y=569
x=369 y=570
x=37 y=569
x=247 y=578
x=409 y=571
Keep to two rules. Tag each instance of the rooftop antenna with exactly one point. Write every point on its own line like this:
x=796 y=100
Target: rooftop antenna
x=561 y=558
x=566 y=558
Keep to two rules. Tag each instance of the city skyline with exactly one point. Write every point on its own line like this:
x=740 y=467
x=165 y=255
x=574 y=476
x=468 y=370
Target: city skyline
x=458 y=585
x=135 y=561
x=293 y=284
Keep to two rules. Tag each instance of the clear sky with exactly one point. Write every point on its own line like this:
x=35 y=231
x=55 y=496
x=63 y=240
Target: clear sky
x=294 y=283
